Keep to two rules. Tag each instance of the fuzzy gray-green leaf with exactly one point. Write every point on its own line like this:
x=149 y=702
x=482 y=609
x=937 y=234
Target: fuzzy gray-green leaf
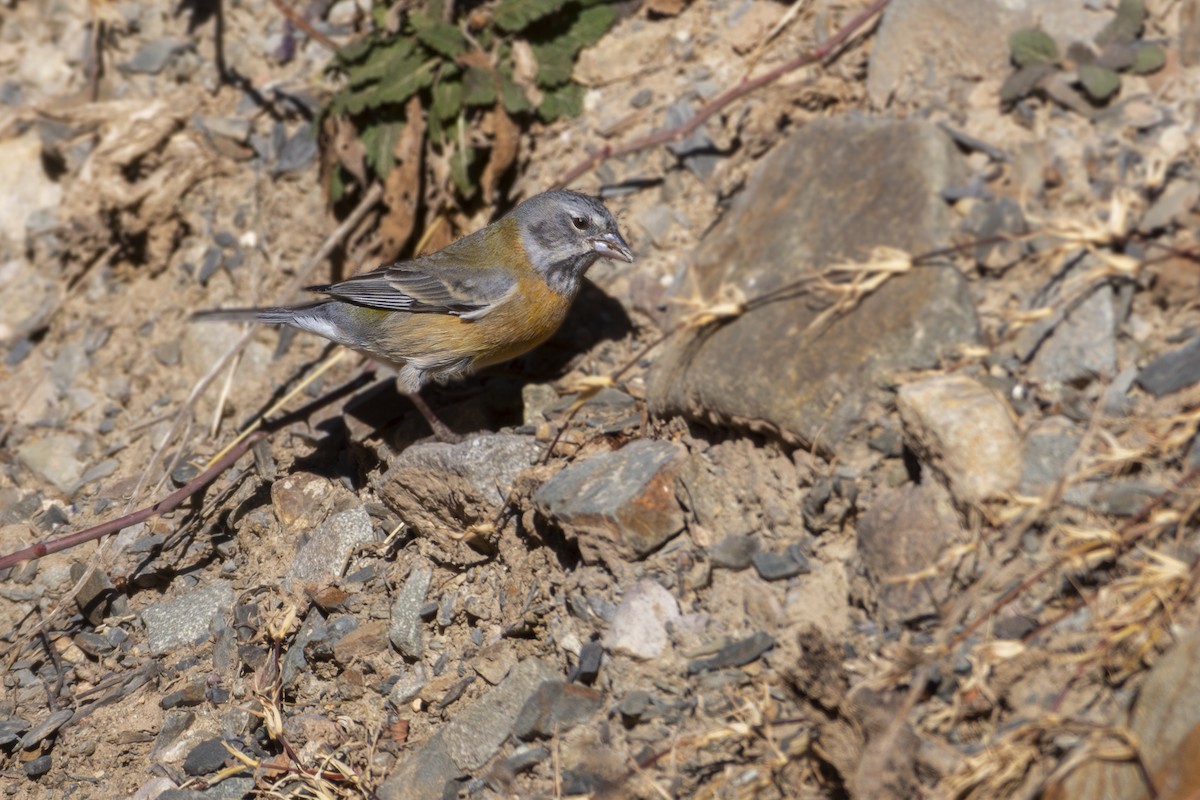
x=1023 y=81
x=1032 y=46
x=1126 y=25
x=1149 y=58
x=1099 y=82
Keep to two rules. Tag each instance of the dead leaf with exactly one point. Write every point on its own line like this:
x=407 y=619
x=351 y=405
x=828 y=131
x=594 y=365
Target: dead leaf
x=525 y=72
x=348 y=149
x=667 y=8
x=505 y=142
x=402 y=189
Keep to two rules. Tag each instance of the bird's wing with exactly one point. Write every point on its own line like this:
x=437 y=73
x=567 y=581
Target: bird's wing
x=433 y=284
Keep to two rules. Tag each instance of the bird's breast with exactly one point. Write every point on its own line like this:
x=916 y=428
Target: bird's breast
x=520 y=323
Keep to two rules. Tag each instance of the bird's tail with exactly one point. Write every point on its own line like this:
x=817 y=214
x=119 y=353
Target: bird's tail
x=269 y=316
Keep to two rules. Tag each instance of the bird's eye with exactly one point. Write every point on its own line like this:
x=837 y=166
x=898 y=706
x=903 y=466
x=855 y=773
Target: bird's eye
x=579 y=222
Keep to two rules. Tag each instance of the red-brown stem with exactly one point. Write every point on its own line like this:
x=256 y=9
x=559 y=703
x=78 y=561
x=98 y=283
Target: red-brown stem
x=742 y=88
x=176 y=498
x=304 y=25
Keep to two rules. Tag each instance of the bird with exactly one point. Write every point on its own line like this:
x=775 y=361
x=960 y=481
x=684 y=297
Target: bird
x=481 y=300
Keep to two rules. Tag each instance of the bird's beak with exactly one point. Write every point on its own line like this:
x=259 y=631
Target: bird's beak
x=611 y=245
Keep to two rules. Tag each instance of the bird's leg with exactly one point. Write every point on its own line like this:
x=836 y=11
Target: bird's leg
x=440 y=429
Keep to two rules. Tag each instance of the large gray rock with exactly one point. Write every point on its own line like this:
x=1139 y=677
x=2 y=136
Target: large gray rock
x=966 y=433
x=187 y=619
x=443 y=489
x=901 y=536
x=321 y=557
x=1164 y=722
x=833 y=191
x=470 y=739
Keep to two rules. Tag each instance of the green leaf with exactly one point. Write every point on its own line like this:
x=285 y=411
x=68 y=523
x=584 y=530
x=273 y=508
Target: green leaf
x=1126 y=25
x=460 y=170
x=1148 y=58
x=513 y=15
x=1032 y=46
x=1024 y=81
x=555 y=60
x=447 y=98
x=566 y=101
x=390 y=58
x=379 y=142
x=592 y=24
x=437 y=35
x=353 y=52
x=511 y=95
x=391 y=92
x=1099 y=82
x=435 y=131
x=478 y=87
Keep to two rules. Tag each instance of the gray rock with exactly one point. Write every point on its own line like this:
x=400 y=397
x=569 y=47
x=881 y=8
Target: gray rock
x=925 y=47
x=186 y=620
x=965 y=432
x=37 y=767
x=469 y=740
x=900 y=536
x=234 y=128
x=154 y=56
x=735 y=552
x=174 y=725
x=405 y=629
x=734 y=654
x=442 y=489
x=1048 y=450
x=53 y=459
x=1077 y=343
x=620 y=504
x=473 y=737
x=1178 y=199
x=321 y=557
x=207 y=756
x=408 y=687
x=11 y=731
x=826 y=194
x=1125 y=498
x=93 y=597
x=297 y=152
x=1172 y=371
x=229 y=789
x=698 y=151
x=639 y=628
x=154 y=788
x=780 y=566
x=46 y=728
x=555 y=708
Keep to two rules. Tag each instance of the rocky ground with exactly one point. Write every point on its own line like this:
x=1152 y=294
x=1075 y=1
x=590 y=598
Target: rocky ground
x=873 y=476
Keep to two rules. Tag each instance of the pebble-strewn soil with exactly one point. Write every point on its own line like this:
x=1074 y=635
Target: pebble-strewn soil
x=872 y=476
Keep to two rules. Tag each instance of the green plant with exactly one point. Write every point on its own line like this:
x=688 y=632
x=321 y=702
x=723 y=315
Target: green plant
x=503 y=64
x=1097 y=69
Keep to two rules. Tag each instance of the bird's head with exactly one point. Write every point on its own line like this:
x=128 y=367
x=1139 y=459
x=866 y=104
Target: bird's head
x=564 y=233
